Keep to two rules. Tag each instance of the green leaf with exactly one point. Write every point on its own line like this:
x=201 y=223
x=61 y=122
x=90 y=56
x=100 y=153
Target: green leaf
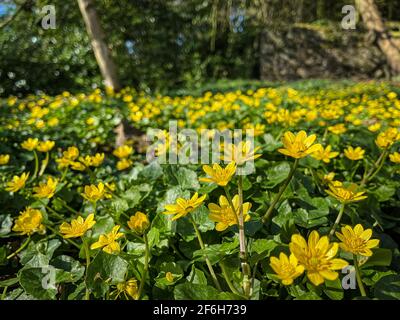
x=193 y=291
x=39 y=254
x=151 y=172
x=271 y=144
x=388 y=288
x=153 y=237
x=104 y=270
x=200 y=217
x=174 y=269
x=380 y=257
x=334 y=290
x=68 y=269
x=384 y=192
x=5 y=224
x=217 y=252
x=277 y=174
x=39 y=282
x=187 y=179
x=196 y=276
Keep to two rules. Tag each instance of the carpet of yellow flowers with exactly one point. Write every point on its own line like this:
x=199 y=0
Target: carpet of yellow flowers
x=319 y=218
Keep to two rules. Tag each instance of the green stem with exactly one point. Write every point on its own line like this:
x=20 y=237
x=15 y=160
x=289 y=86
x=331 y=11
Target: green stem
x=22 y=247
x=146 y=265
x=36 y=165
x=45 y=162
x=354 y=170
x=281 y=191
x=226 y=277
x=358 y=276
x=201 y=243
x=242 y=243
x=55 y=213
x=87 y=255
x=3 y=295
x=337 y=221
x=377 y=165
x=64 y=174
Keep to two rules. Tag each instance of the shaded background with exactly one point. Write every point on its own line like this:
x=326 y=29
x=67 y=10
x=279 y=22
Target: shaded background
x=171 y=45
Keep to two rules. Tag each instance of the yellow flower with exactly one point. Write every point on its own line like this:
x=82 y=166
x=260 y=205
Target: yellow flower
x=325 y=154
x=63 y=163
x=17 y=183
x=169 y=276
x=129 y=287
x=94 y=193
x=123 y=151
x=109 y=241
x=357 y=240
x=328 y=178
x=30 y=144
x=286 y=268
x=345 y=194
x=29 y=221
x=395 y=157
x=45 y=146
x=139 y=222
x=78 y=166
x=218 y=174
x=317 y=257
x=299 y=146
x=374 y=127
x=72 y=153
x=90 y=121
x=4 y=159
x=97 y=159
x=387 y=138
x=337 y=129
x=47 y=189
x=240 y=153
x=183 y=206
x=78 y=227
x=354 y=153
x=124 y=164
x=224 y=215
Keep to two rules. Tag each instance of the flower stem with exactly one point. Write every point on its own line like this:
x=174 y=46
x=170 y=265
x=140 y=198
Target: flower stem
x=337 y=221
x=87 y=255
x=60 y=235
x=22 y=247
x=281 y=191
x=64 y=204
x=36 y=165
x=242 y=243
x=377 y=165
x=358 y=276
x=226 y=277
x=45 y=162
x=64 y=174
x=201 y=243
x=146 y=265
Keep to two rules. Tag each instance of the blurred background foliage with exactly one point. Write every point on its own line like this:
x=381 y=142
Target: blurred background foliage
x=158 y=45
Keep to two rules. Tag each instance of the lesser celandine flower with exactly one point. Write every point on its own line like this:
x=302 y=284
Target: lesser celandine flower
x=224 y=215
x=17 y=182
x=77 y=227
x=357 y=240
x=219 y=175
x=386 y=138
x=30 y=144
x=77 y=166
x=395 y=157
x=46 y=189
x=72 y=153
x=299 y=145
x=354 y=153
x=29 y=222
x=286 y=268
x=317 y=257
x=94 y=193
x=45 y=146
x=345 y=194
x=124 y=164
x=328 y=178
x=4 y=159
x=183 y=206
x=108 y=242
x=240 y=153
x=139 y=222
x=325 y=154
x=337 y=129
x=123 y=151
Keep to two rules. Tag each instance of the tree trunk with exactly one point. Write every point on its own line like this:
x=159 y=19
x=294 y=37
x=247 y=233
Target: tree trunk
x=374 y=23
x=100 y=49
